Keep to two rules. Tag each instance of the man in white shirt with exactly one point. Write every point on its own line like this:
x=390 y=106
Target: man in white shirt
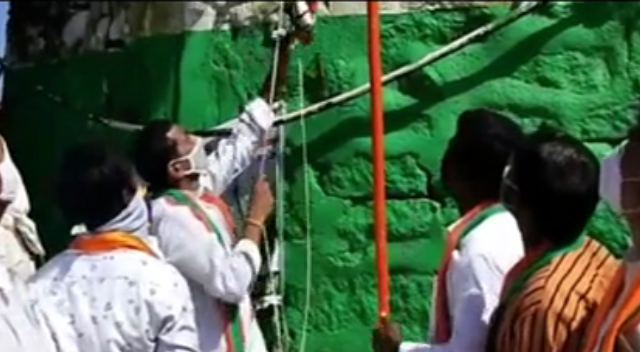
x=19 y=241
x=21 y=329
x=111 y=291
x=195 y=228
x=481 y=246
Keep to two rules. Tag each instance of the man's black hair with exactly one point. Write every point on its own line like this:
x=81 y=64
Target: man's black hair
x=94 y=184
x=153 y=150
x=480 y=150
x=557 y=179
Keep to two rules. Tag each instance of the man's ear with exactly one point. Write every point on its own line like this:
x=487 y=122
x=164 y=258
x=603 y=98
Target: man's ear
x=175 y=170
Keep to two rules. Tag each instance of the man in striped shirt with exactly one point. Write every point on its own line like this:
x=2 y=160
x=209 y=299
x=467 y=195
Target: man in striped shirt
x=548 y=297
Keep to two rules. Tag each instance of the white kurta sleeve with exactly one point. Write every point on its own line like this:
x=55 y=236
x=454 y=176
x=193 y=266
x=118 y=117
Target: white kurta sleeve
x=474 y=286
x=173 y=315
x=235 y=153
x=199 y=256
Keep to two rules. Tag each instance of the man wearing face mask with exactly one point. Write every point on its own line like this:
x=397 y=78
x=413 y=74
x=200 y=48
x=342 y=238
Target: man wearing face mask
x=616 y=323
x=195 y=228
x=19 y=242
x=111 y=290
x=549 y=296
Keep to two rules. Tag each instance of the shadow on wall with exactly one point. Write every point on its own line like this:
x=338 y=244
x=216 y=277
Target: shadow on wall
x=438 y=91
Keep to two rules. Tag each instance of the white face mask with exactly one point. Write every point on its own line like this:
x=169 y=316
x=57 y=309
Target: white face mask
x=197 y=158
x=611 y=181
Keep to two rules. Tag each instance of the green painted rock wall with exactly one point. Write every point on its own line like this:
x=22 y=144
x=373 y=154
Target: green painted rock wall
x=573 y=66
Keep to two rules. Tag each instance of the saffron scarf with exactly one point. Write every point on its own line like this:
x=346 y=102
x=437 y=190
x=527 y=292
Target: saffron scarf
x=109 y=241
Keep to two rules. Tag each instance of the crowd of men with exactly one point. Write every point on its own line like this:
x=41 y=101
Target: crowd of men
x=519 y=271
x=162 y=266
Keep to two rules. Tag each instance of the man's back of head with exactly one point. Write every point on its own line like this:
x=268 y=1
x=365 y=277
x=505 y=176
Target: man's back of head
x=556 y=177
x=94 y=185
x=153 y=150
x=478 y=153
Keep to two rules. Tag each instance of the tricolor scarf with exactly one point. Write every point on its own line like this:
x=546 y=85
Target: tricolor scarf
x=235 y=337
x=460 y=230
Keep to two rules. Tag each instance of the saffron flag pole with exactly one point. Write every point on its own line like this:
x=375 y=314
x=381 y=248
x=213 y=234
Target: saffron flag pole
x=377 y=134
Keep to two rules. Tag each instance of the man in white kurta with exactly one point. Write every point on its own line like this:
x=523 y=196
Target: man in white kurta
x=111 y=291
x=474 y=282
x=195 y=229
x=481 y=246
x=19 y=241
x=21 y=328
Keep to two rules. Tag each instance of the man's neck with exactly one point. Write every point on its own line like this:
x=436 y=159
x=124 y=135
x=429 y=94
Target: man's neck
x=530 y=240
x=189 y=185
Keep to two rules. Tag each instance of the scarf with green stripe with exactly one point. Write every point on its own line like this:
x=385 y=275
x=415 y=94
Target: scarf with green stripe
x=231 y=316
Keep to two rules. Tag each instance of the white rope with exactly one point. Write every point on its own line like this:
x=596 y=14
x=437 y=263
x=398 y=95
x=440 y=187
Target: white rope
x=307 y=214
x=281 y=323
x=277 y=36
x=274 y=72
x=407 y=69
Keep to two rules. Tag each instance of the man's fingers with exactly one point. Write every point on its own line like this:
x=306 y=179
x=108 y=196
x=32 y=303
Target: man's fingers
x=384 y=320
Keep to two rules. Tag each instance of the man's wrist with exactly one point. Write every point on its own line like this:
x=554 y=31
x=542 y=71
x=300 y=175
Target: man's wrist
x=253 y=233
x=259 y=224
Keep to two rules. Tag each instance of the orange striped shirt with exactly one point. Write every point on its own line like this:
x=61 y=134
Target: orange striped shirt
x=551 y=313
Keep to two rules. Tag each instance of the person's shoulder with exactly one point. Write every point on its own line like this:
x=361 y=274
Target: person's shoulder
x=595 y=259
x=496 y=237
x=157 y=270
x=502 y=221
x=165 y=209
x=52 y=266
x=574 y=281
x=160 y=281
x=149 y=270
x=604 y=266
